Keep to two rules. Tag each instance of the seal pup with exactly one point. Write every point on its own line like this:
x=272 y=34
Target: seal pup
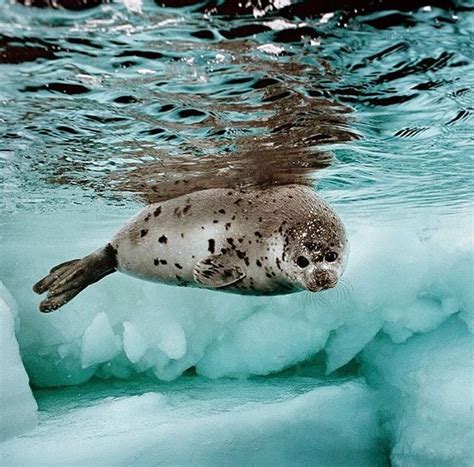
x=267 y=241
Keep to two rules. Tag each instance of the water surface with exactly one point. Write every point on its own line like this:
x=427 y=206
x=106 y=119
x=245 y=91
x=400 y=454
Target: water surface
x=132 y=100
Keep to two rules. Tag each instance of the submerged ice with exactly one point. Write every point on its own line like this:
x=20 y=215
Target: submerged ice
x=400 y=281
x=17 y=405
x=211 y=423
x=403 y=311
x=426 y=391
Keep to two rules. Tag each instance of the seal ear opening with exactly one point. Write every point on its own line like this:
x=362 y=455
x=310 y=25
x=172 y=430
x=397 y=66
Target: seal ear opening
x=66 y=280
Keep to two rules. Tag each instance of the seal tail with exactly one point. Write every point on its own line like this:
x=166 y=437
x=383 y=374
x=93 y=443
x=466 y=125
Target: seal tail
x=67 y=279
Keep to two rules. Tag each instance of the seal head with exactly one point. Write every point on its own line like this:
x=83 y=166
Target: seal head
x=316 y=252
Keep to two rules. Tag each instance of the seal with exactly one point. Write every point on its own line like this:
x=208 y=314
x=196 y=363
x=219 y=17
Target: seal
x=265 y=241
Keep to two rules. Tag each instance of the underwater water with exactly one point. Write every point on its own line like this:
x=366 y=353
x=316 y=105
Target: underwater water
x=106 y=108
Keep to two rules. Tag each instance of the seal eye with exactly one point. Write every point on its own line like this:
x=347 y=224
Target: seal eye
x=330 y=257
x=302 y=262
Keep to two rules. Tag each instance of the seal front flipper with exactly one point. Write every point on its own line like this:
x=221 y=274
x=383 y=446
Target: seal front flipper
x=66 y=280
x=217 y=271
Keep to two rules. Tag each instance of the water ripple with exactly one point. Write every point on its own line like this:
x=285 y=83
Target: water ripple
x=136 y=100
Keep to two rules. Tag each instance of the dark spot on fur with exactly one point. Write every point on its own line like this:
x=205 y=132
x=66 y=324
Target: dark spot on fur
x=228 y=225
x=232 y=218
x=163 y=261
x=157 y=211
x=241 y=254
x=156 y=261
x=246 y=261
x=258 y=234
x=237 y=202
x=177 y=212
x=215 y=221
x=186 y=208
x=230 y=193
x=163 y=239
x=278 y=263
x=230 y=241
x=259 y=264
x=178 y=265
x=182 y=235
x=143 y=232
x=147 y=218
x=268 y=275
x=222 y=211
x=224 y=250
x=212 y=245
x=260 y=219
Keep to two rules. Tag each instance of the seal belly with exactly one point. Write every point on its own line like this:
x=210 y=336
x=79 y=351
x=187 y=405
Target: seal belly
x=164 y=250
x=164 y=243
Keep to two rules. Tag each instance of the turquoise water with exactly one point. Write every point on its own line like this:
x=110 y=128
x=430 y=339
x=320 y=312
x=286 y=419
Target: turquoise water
x=108 y=107
x=88 y=96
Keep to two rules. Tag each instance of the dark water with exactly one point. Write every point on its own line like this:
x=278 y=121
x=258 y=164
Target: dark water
x=136 y=100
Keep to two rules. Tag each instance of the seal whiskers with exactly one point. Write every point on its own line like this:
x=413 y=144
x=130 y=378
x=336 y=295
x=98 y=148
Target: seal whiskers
x=331 y=297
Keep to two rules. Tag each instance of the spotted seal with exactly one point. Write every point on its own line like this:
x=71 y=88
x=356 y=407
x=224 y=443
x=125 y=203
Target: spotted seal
x=271 y=241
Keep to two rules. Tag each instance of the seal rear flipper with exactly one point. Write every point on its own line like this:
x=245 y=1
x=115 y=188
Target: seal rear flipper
x=43 y=285
x=217 y=271
x=66 y=280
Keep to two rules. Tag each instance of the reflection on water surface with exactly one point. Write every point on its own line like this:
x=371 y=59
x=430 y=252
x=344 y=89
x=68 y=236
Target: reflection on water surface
x=136 y=99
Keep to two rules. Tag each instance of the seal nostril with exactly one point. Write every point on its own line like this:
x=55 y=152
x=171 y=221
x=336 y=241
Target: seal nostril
x=325 y=279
